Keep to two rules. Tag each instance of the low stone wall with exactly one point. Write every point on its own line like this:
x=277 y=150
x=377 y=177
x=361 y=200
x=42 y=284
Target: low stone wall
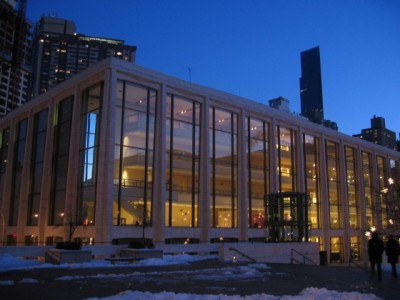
x=60 y=256
x=141 y=253
x=271 y=252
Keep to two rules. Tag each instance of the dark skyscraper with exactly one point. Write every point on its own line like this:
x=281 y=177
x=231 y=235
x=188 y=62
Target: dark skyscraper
x=379 y=134
x=311 y=86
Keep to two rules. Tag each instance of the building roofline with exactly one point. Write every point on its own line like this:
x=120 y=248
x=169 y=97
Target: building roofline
x=246 y=104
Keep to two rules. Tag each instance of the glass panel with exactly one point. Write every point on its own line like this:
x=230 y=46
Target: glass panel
x=19 y=151
x=286 y=159
x=183 y=162
x=355 y=248
x=134 y=146
x=91 y=118
x=257 y=153
x=62 y=133
x=332 y=162
x=336 y=249
x=38 y=147
x=368 y=192
x=352 y=185
x=382 y=181
x=223 y=150
x=311 y=156
x=393 y=194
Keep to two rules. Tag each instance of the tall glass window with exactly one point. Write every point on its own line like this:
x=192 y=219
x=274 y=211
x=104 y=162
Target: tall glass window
x=4 y=143
x=332 y=163
x=311 y=157
x=133 y=154
x=352 y=187
x=336 y=249
x=393 y=194
x=223 y=152
x=355 y=248
x=257 y=137
x=62 y=134
x=182 y=174
x=368 y=189
x=91 y=115
x=286 y=141
x=383 y=189
x=37 y=159
x=19 y=151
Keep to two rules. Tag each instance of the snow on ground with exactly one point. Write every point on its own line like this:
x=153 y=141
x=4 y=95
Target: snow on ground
x=8 y=262
x=224 y=274
x=306 y=294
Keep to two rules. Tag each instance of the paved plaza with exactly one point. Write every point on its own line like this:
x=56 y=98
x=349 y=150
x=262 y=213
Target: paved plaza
x=196 y=278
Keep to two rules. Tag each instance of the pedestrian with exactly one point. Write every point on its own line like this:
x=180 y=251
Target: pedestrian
x=375 y=251
x=392 y=252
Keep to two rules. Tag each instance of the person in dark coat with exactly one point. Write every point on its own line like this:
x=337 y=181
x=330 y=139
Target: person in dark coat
x=392 y=252
x=375 y=251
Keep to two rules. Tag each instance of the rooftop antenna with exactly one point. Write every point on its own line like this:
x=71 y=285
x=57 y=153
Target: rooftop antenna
x=190 y=69
x=190 y=74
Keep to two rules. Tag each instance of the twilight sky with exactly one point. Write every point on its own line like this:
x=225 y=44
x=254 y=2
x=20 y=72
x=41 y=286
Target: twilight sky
x=252 y=48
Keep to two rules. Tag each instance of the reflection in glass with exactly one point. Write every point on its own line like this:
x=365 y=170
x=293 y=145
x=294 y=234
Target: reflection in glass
x=91 y=115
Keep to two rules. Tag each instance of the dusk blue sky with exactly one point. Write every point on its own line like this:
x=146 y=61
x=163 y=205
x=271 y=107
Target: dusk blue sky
x=252 y=48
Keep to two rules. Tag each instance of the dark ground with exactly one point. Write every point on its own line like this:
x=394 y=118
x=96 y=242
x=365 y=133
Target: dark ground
x=280 y=279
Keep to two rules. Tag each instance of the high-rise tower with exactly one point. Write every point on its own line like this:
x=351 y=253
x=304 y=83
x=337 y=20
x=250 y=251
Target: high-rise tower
x=379 y=134
x=311 y=86
x=59 y=52
x=15 y=69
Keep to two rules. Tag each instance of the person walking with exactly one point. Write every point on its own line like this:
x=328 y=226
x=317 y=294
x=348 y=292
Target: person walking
x=392 y=253
x=375 y=251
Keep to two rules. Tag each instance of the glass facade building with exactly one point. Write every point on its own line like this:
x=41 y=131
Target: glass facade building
x=125 y=152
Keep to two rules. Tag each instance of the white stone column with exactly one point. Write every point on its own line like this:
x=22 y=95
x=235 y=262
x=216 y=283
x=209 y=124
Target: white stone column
x=8 y=180
x=205 y=173
x=273 y=174
x=73 y=162
x=159 y=167
x=243 y=200
x=324 y=194
x=301 y=175
x=361 y=207
x=105 y=162
x=25 y=177
x=344 y=200
x=46 y=176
